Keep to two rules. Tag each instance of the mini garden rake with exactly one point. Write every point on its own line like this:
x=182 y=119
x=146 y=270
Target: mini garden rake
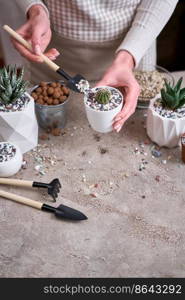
x=53 y=188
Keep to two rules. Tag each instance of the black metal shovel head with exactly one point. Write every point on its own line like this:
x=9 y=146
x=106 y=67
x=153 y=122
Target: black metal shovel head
x=66 y=212
x=74 y=81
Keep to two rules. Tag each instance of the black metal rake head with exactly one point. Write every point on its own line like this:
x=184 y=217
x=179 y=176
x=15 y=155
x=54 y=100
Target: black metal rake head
x=53 y=187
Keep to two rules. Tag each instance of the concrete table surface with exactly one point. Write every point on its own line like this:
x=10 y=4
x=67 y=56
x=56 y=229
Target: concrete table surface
x=136 y=219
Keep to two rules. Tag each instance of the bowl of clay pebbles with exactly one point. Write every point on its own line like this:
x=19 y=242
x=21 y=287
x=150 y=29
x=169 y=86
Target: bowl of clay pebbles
x=10 y=159
x=51 y=101
x=151 y=80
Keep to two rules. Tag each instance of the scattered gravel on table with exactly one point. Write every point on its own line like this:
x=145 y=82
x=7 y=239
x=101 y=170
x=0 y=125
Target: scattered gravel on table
x=7 y=152
x=157 y=178
x=24 y=164
x=103 y=150
x=168 y=113
x=156 y=153
x=44 y=158
x=96 y=137
x=18 y=105
x=143 y=164
x=164 y=161
x=115 y=100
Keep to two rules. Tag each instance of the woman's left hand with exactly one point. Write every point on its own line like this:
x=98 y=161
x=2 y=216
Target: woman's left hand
x=120 y=75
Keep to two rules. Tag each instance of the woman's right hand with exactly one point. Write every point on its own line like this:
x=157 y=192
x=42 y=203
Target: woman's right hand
x=36 y=31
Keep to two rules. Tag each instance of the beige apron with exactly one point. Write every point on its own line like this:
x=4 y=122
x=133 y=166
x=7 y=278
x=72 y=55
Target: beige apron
x=89 y=59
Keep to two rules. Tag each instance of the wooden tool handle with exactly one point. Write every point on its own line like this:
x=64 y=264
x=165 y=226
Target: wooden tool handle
x=18 y=182
x=27 y=45
x=21 y=199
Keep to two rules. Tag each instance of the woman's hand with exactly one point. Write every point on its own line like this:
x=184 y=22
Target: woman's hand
x=36 y=31
x=120 y=75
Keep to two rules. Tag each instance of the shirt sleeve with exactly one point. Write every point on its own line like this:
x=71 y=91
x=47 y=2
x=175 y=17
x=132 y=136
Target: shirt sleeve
x=26 y=4
x=150 y=18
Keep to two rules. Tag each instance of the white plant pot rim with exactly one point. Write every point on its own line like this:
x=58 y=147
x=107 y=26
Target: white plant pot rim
x=104 y=111
x=151 y=106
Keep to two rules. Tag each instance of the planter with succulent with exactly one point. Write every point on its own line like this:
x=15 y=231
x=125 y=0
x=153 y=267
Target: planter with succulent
x=102 y=104
x=18 y=122
x=166 y=116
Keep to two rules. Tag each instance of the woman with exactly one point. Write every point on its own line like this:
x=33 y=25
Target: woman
x=102 y=40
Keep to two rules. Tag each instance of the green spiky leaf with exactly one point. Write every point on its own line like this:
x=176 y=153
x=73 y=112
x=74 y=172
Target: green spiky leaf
x=172 y=97
x=12 y=85
x=178 y=85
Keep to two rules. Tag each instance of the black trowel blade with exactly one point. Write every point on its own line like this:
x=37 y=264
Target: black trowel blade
x=66 y=212
x=74 y=81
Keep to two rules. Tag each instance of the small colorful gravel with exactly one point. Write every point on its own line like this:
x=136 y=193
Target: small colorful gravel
x=18 y=105
x=168 y=113
x=115 y=100
x=7 y=152
x=83 y=86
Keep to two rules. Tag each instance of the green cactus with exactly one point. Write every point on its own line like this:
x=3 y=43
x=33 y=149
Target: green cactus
x=103 y=96
x=12 y=85
x=173 y=97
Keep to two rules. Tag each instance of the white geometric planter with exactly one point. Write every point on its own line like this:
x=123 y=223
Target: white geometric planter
x=20 y=127
x=164 y=131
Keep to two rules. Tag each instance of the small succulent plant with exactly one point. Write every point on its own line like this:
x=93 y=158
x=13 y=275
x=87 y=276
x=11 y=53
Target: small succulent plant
x=12 y=85
x=173 y=97
x=103 y=96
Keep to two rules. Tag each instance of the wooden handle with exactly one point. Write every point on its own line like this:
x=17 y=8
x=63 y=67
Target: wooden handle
x=18 y=182
x=21 y=199
x=27 y=45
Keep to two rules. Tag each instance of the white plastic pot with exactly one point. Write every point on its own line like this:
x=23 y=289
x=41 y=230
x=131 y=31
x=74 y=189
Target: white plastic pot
x=20 y=127
x=102 y=121
x=12 y=166
x=164 y=131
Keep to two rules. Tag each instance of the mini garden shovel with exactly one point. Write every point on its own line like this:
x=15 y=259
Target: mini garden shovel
x=72 y=82
x=61 y=211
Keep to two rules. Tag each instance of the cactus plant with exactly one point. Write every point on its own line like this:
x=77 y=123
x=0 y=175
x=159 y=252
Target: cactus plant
x=12 y=85
x=173 y=97
x=103 y=96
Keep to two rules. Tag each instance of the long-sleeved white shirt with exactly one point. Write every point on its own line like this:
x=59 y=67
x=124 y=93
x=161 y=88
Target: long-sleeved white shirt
x=138 y=21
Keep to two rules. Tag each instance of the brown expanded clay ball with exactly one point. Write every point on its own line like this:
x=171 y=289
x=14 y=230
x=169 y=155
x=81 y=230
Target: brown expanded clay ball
x=50 y=91
x=38 y=90
x=56 y=94
x=50 y=101
x=56 y=102
x=62 y=99
x=43 y=84
x=34 y=95
x=53 y=84
x=56 y=131
x=65 y=90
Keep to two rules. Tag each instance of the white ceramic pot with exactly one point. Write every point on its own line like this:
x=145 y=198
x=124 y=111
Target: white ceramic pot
x=20 y=127
x=164 y=131
x=102 y=121
x=12 y=166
